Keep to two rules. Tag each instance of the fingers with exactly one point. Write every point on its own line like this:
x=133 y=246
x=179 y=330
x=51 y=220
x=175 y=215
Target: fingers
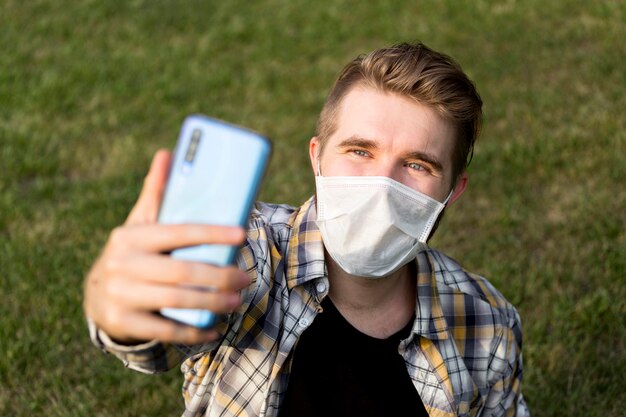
x=132 y=278
x=164 y=238
x=139 y=295
x=166 y=270
x=148 y=326
x=147 y=206
x=124 y=307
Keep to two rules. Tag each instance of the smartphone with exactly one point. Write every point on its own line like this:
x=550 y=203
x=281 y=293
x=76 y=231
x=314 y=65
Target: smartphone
x=214 y=178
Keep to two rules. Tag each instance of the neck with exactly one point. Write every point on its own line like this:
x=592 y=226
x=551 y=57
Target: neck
x=377 y=307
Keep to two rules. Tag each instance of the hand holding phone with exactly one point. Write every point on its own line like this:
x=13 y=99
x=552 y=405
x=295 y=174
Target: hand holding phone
x=133 y=277
x=214 y=178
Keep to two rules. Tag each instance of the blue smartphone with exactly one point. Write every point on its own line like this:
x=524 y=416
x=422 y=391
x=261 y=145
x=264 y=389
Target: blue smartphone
x=214 y=178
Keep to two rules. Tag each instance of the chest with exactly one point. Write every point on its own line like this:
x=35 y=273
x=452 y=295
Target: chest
x=337 y=370
x=250 y=373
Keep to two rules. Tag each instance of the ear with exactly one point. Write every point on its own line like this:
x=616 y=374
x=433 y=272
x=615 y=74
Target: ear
x=314 y=150
x=459 y=188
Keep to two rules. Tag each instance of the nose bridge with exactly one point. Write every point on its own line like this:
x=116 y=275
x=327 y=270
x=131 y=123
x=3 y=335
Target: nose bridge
x=388 y=167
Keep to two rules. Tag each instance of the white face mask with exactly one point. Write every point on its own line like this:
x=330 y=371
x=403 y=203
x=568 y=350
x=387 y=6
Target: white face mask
x=372 y=226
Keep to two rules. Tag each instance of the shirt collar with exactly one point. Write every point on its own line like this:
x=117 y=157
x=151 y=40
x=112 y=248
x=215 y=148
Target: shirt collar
x=430 y=321
x=305 y=260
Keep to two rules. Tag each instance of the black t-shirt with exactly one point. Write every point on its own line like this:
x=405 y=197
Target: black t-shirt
x=337 y=370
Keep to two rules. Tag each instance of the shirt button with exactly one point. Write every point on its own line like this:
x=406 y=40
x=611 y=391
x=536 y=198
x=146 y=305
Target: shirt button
x=320 y=287
x=303 y=322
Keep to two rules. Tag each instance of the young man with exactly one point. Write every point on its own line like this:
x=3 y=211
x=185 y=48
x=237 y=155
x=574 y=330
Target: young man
x=342 y=309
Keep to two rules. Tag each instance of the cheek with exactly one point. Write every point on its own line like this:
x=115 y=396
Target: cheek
x=430 y=186
x=439 y=193
x=340 y=165
x=421 y=186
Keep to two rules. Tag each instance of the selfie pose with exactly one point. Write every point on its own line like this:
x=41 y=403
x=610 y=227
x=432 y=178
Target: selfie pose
x=339 y=306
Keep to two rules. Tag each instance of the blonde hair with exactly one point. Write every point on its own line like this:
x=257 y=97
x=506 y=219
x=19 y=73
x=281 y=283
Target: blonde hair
x=417 y=72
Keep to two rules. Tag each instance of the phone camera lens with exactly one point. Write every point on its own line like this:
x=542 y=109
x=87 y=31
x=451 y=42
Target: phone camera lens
x=193 y=145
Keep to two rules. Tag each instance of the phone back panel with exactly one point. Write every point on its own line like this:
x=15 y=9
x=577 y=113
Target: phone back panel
x=214 y=178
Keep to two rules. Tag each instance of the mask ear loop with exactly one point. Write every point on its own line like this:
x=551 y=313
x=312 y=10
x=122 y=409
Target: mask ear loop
x=319 y=168
x=445 y=202
x=433 y=219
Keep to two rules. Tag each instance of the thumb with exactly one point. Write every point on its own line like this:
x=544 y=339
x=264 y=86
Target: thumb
x=147 y=206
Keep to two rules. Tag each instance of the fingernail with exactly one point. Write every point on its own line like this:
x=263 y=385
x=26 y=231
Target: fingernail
x=244 y=279
x=239 y=234
x=209 y=336
x=234 y=301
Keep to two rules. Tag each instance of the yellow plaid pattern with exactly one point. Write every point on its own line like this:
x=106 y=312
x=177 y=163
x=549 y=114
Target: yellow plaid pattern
x=463 y=355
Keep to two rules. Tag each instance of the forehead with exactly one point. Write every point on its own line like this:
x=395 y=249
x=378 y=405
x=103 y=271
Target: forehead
x=395 y=122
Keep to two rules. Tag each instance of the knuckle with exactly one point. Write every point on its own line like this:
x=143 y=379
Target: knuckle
x=199 y=274
x=114 y=317
x=118 y=236
x=225 y=279
x=197 y=336
x=171 y=299
x=188 y=335
x=185 y=272
x=238 y=279
x=175 y=232
x=111 y=265
x=169 y=332
x=222 y=302
x=178 y=333
x=111 y=287
x=218 y=280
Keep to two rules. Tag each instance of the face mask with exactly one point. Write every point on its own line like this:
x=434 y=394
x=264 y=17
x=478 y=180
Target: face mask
x=372 y=226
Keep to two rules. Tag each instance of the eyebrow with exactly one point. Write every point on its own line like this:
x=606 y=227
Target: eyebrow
x=360 y=142
x=428 y=158
x=370 y=144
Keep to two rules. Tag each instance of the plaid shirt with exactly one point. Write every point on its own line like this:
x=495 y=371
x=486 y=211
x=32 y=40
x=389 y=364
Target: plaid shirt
x=463 y=355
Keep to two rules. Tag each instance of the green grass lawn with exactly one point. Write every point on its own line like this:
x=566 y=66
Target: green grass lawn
x=90 y=90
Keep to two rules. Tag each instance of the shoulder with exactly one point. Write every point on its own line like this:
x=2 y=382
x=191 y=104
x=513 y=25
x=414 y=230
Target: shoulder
x=275 y=215
x=268 y=232
x=454 y=281
x=485 y=327
x=274 y=220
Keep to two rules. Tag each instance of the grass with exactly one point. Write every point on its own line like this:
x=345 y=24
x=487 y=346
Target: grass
x=90 y=90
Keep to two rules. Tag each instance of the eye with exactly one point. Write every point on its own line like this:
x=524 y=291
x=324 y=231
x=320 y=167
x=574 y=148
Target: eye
x=360 y=152
x=417 y=167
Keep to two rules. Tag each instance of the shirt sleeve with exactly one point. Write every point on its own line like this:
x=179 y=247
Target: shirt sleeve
x=152 y=357
x=505 y=396
x=155 y=357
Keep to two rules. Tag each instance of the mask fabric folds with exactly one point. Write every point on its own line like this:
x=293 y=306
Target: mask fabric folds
x=372 y=226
